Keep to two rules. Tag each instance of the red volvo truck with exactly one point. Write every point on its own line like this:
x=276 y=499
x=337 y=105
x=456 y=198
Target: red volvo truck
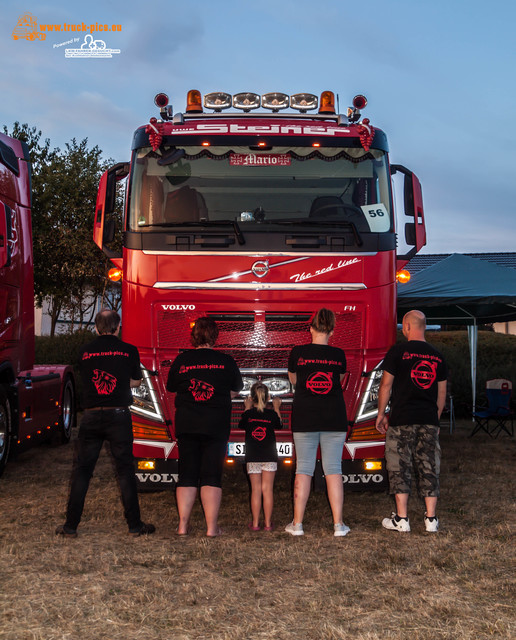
x=257 y=217
x=36 y=401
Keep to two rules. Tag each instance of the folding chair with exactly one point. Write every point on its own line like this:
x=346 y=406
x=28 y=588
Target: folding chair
x=498 y=410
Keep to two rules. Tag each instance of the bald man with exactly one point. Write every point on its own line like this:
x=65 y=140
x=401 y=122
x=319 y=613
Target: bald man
x=414 y=380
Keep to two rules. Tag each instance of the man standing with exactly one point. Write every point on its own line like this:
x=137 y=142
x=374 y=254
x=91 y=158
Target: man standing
x=414 y=378
x=109 y=368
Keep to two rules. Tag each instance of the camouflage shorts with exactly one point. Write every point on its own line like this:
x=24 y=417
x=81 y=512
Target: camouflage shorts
x=413 y=447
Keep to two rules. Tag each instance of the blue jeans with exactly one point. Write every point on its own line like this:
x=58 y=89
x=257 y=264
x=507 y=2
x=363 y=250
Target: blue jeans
x=113 y=425
x=332 y=444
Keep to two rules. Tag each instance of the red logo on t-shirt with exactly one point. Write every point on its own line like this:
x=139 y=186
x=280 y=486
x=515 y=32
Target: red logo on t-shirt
x=201 y=390
x=104 y=382
x=320 y=382
x=259 y=433
x=424 y=373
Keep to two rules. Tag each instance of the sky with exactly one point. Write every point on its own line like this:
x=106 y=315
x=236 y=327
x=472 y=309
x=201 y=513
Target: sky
x=439 y=77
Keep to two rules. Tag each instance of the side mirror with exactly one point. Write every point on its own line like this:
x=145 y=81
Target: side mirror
x=104 y=226
x=415 y=231
x=5 y=235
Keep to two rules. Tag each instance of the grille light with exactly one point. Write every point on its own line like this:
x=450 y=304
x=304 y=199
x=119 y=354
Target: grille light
x=246 y=101
x=275 y=101
x=304 y=102
x=369 y=403
x=145 y=399
x=217 y=100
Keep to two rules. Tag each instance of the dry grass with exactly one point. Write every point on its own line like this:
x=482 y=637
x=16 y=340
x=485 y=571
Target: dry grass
x=371 y=584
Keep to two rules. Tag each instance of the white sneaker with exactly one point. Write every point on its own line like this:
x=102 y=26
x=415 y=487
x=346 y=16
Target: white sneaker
x=340 y=529
x=431 y=524
x=394 y=524
x=295 y=529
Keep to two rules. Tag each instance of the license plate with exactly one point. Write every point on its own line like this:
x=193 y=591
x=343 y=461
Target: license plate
x=238 y=449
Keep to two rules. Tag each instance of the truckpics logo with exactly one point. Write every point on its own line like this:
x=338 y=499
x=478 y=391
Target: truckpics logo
x=104 y=382
x=27 y=28
x=424 y=373
x=201 y=390
x=319 y=382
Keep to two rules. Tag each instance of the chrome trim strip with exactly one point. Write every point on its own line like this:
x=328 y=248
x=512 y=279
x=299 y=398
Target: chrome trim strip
x=262 y=286
x=353 y=446
x=258 y=254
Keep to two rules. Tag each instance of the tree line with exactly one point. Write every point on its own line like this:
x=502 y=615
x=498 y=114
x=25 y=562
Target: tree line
x=69 y=269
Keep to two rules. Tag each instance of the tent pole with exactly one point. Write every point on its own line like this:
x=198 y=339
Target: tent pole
x=473 y=342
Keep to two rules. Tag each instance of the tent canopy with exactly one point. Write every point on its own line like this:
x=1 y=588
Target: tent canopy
x=461 y=290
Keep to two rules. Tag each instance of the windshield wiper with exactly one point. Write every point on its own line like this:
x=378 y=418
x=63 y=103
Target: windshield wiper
x=324 y=223
x=209 y=223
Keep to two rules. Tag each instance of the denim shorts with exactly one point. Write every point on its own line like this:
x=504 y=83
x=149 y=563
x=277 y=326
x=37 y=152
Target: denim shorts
x=332 y=444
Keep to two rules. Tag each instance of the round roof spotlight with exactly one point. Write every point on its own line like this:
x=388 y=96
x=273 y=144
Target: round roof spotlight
x=246 y=101
x=359 y=102
x=275 y=101
x=217 y=101
x=303 y=102
x=161 y=100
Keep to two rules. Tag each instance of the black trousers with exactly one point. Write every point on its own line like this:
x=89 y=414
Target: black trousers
x=114 y=426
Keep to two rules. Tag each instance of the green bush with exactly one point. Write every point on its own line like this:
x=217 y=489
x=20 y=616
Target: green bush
x=63 y=349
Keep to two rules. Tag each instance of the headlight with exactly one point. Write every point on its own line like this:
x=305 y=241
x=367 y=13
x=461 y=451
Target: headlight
x=277 y=386
x=145 y=400
x=248 y=383
x=368 y=407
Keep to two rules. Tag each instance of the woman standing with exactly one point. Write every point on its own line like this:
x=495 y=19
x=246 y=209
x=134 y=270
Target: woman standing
x=318 y=418
x=204 y=381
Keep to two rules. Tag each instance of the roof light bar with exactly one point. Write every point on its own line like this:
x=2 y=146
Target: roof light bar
x=217 y=100
x=275 y=101
x=304 y=102
x=246 y=101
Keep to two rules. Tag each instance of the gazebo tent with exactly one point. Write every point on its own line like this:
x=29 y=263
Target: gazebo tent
x=465 y=291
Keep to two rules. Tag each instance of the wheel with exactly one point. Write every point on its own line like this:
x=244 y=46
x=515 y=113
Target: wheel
x=5 y=428
x=68 y=416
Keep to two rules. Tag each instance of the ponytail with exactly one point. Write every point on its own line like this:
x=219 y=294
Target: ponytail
x=259 y=395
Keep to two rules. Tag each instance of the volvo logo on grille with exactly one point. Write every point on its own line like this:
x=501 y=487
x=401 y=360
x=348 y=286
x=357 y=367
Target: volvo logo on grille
x=260 y=268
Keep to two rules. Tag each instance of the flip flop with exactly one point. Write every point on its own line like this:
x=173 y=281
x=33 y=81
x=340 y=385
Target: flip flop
x=251 y=527
x=216 y=535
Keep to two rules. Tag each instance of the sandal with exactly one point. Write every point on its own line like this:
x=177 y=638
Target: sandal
x=251 y=527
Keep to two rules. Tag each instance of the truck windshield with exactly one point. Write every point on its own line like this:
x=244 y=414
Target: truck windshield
x=181 y=185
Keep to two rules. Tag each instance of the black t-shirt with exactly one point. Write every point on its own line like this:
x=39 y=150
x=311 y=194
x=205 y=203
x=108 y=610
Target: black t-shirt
x=260 y=439
x=203 y=380
x=107 y=365
x=417 y=367
x=318 y=398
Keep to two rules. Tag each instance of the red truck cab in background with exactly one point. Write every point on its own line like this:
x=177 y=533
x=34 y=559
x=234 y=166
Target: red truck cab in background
x=35 y=401
x=257 y=219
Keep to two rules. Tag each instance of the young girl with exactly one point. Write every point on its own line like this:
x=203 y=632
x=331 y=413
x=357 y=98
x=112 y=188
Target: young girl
x=261 y=455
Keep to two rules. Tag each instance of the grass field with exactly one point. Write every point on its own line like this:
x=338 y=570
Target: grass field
x=459 y=583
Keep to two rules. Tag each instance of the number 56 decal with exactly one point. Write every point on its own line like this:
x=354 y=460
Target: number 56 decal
x=377 y=217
